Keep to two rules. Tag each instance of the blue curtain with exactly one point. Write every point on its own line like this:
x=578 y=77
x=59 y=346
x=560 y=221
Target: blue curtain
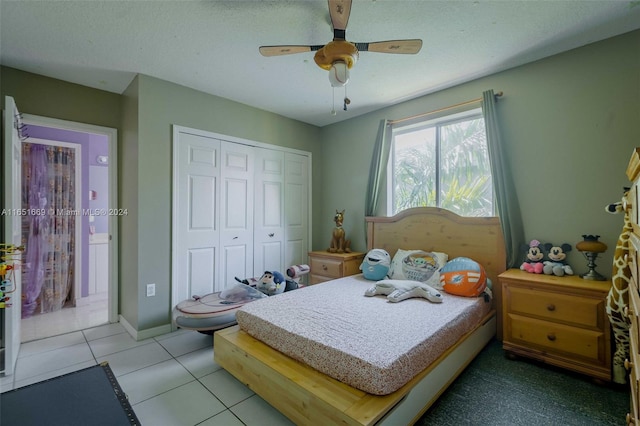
x=378 y=168
x=506 y=198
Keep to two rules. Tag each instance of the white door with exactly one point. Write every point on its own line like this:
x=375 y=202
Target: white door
x=296 y=208
x=236 y=213
x=269 y=211
x=195 y=227
x=12 y=230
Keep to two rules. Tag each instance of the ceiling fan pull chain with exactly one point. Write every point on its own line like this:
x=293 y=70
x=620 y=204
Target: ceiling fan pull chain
x=333 y=101
x=347 y=101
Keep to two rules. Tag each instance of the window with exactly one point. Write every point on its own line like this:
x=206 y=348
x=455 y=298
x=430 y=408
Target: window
x=442 y=163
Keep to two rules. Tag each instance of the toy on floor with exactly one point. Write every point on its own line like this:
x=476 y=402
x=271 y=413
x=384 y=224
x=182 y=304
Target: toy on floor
x=618 y=296
x=534 y=262
x=294 y=274
x=271 y=283
x=557 y=265
x=214 y=311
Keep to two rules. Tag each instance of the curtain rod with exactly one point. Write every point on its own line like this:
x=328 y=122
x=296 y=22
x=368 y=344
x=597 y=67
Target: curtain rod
x=425 y=114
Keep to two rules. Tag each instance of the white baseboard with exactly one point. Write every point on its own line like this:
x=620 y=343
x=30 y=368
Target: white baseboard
x=144 y=334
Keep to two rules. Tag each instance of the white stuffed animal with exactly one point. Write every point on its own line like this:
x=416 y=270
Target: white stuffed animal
x=399 y=290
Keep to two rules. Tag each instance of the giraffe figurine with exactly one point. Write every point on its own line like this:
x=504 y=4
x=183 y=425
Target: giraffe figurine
x=618 y=297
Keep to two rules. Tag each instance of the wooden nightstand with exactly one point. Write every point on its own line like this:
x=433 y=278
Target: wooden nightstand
x=557 y=320
x=327 y=266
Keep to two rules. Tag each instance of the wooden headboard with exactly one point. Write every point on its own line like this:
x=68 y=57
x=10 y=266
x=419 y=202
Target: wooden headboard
x=435 y=229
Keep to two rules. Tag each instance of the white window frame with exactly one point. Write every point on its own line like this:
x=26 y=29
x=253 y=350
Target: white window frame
x=416 y=125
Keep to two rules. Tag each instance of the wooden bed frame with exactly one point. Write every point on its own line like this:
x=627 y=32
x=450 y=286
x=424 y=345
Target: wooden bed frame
x=307 y=396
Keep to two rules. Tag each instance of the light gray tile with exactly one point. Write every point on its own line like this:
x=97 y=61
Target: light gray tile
x=148 y=382
x=189 y=404
x=226 y=387
x=115 y=343
x=172 y=334
x=55 y=359
x=103 y=331
x=256 y=411
x=200 y=362
x=226 y=418
x=183 y=343
x=133 y=359
x=50 y=343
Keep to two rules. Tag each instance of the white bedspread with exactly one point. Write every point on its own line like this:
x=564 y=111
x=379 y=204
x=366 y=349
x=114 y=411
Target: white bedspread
x=366 y=342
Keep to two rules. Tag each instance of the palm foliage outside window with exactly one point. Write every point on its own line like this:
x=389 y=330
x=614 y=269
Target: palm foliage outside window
x=442 y=163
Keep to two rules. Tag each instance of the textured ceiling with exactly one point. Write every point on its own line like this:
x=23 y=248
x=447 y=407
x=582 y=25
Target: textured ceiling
x=212 y=46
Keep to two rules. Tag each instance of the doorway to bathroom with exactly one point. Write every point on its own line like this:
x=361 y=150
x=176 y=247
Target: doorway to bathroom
x=86 y=296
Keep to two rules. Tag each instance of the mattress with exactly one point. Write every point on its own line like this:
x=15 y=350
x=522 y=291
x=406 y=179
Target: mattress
x=366 y=342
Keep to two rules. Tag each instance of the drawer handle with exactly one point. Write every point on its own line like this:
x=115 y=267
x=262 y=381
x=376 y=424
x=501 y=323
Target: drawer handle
x=324 y=267
x=628 y=365
x=551 y=337
x=551 y=307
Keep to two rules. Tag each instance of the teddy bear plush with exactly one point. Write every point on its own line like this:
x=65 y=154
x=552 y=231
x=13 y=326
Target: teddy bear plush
x=271 y=282
x=534 y=262
x=557 y=265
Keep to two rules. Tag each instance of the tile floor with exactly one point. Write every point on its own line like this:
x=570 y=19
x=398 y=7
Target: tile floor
x=170 y=379
x=92 y=312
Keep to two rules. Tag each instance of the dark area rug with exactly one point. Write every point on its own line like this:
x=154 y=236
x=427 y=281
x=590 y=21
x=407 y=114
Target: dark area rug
x=495 y=390
x=91 y=396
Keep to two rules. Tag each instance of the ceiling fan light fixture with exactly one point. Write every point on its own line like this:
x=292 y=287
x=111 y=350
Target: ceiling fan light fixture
x=339 y=74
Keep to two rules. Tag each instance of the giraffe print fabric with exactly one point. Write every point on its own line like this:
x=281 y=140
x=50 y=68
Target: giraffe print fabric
x=618 y=297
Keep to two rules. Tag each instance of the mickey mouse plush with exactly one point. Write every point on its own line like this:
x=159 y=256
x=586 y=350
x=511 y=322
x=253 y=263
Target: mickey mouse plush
x=534 y=254
x=556 y=265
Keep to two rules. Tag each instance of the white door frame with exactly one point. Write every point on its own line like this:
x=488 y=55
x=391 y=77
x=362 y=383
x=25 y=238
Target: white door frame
x=112 y=140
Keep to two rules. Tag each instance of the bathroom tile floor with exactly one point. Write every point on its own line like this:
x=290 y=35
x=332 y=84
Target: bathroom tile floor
x=170 y=379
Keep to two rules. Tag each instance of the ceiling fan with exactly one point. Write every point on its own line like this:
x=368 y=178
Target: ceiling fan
x=339 y=55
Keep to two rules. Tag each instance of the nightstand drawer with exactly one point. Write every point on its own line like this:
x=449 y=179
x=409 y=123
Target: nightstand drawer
x=570 y=309
x=327 y=267
x=562 y=339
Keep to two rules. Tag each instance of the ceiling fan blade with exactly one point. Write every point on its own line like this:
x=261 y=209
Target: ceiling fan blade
x=392 y=46
x=286 y=50
x=339 y=11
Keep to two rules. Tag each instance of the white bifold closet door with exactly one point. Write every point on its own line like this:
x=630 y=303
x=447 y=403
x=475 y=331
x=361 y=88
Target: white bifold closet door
x=236 y=213
x=269 y=244
x=196 y=217
x=238 y=210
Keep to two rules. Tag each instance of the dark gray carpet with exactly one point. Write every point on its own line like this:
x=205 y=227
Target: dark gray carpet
x=88 y=397
x=495 y=390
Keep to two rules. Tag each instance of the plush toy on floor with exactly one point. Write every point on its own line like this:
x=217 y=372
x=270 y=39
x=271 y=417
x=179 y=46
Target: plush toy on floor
x=557 y=265
x=533 y=264
x=271 y=283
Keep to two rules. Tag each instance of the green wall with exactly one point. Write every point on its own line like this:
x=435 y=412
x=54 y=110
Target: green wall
x=569 y=124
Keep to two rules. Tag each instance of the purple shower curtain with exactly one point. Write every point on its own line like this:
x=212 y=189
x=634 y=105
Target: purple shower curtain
x=36 y=182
